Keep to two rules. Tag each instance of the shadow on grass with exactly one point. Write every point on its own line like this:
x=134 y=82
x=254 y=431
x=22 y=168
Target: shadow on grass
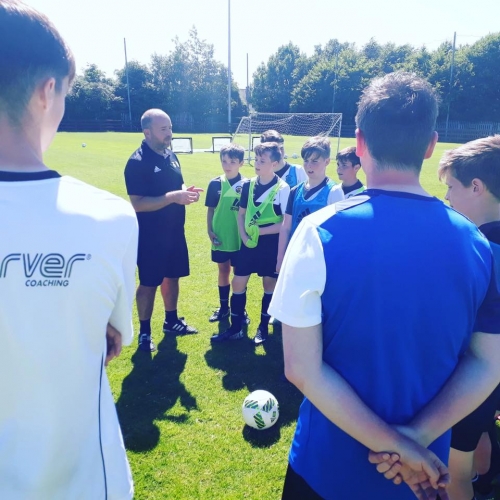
x=152 y=388
x=250 y=367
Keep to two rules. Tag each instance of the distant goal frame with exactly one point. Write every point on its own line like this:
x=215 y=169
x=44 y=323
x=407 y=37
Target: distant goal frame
x=326 y=124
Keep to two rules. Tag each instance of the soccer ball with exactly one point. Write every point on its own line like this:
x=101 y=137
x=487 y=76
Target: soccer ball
x=84 y=145
x=260 y=410
x=295 y=155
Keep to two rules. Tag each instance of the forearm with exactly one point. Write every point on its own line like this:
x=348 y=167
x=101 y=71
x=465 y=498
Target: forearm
x=210 y=218
x=152 y=203
x=283 y=242
x=241 y=224
x=273 y=229
x=472 y=382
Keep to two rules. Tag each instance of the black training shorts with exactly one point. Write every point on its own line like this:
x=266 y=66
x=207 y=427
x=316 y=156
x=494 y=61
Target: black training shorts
x=219 y=256
x=466 y=433
x=296 y=488
x=261 y=259
x=162 y=259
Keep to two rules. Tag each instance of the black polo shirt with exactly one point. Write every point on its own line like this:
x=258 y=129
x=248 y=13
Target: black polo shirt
x=148 y=173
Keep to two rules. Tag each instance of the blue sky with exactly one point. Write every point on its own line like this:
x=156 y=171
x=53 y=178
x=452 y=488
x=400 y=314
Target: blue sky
x=95 y=28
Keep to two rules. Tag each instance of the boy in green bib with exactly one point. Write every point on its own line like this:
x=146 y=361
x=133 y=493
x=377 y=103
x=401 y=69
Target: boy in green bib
x=262 y=206
x=222 y=202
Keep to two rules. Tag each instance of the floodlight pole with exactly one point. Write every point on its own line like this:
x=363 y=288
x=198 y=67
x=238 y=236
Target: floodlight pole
x=451 y=83
x=229 y=65
x=128 y=85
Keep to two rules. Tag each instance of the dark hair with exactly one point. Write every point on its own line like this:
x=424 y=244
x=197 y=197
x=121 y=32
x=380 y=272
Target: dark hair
x=272 y=148
x=233 y=151
x=272 y=136
x=319 y=145
x=397 y=116
x=479 y=159
x=348 y=154
x=31 y=50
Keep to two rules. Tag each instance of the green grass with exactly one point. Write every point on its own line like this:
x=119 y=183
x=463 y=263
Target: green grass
x=180 y=408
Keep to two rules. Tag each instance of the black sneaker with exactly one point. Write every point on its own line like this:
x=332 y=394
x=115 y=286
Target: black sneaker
x=226 y=335
x=219 y=316
x=145 y=343
x=260 y=337
x=179 y=327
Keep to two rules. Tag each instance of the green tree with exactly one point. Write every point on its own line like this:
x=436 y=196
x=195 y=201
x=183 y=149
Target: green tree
x=92 y=97
x=274 y=82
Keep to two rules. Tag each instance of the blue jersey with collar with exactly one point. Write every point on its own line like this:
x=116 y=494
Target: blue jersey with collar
x=303 y=207
x=395 y=324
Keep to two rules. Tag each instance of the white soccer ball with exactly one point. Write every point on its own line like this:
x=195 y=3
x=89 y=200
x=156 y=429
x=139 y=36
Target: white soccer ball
x=295 y=155
x=84 y=145
x=260 y=410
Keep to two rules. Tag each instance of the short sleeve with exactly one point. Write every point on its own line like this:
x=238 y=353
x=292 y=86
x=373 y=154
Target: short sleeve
x=135 y=179
x=297 y=297
x=245 y=190
x=488 y=315
x=213 y=193
x=336 y=194
x=289 y=203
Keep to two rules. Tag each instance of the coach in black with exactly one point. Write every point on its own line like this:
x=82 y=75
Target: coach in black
x=158 y=194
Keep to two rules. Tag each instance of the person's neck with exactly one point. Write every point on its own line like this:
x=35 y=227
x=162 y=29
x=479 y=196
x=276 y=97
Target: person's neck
x=279 y=166
x=348 y=184
x=312 y=183
x=395 y=180
x=490 y=213
x=266 y=179
x=18 y=151
x=231 y=177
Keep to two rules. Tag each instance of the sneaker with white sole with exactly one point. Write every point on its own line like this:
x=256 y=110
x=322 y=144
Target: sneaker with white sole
x=179 y=327
x=145 y=343
x=219 y=316
x=227 y=335
x=260 y=337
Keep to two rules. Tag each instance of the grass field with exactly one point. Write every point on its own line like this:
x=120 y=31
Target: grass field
x=180 y=408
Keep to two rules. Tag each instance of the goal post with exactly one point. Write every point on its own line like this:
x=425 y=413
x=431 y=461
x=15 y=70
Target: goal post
x=295 y=127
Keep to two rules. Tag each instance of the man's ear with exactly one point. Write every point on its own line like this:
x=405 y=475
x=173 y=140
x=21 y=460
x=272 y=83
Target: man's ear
x=431 y=146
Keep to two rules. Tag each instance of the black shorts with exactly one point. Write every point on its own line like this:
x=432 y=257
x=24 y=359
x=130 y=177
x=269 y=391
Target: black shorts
x=261 y=259
x=466 y=433
x=220 y=257
x=158 y=260
x=296 y=488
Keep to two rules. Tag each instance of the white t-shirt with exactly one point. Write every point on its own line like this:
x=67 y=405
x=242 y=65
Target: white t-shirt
x=67 y=268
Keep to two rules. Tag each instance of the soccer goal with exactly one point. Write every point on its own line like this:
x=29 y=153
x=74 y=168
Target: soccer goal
x=295 y=127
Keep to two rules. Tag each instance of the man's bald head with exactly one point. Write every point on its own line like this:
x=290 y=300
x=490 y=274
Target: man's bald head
x=157 y=128
x=148 y=117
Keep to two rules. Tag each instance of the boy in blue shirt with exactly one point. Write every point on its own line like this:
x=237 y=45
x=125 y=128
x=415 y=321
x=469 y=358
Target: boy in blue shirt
x=357 y=340
x=311 y=195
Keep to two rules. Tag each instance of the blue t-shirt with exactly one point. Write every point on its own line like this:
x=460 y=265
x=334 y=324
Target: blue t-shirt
x=405 y=278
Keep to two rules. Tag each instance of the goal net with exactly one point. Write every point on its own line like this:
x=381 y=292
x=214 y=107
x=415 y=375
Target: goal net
x=296 y=128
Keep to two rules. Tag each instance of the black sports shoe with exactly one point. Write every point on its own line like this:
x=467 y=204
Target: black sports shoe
x=179 y=327
x=226 y=335
x=219 y=316
x=145 y=343
x=260 y=337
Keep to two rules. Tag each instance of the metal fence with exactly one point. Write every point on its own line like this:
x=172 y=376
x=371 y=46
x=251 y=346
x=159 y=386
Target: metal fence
x=455 y=132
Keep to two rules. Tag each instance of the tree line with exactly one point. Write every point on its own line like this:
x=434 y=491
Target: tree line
x=192 y=85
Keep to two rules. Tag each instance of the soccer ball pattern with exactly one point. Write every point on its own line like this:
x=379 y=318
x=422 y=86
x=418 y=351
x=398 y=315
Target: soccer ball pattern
x=260 y=410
